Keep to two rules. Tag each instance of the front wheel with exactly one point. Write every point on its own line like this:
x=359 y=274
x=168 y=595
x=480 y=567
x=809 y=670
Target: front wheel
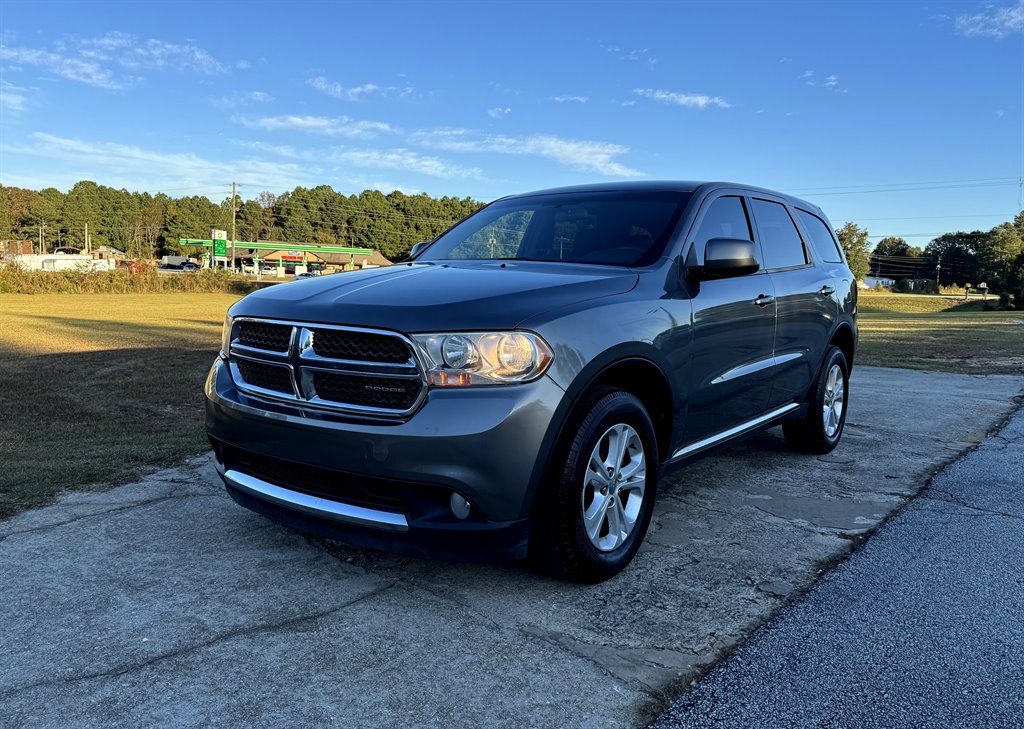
x=822 y=426
x=599 y=506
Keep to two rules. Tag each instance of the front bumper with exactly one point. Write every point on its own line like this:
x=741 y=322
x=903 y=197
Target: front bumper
x=486 y=444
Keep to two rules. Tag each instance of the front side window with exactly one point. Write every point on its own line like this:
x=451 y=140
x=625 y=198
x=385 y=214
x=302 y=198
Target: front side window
x=623 y=228
x=780 y=240
x=726 y=218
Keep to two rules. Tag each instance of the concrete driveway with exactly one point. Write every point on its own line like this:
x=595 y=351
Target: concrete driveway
x=162 y=602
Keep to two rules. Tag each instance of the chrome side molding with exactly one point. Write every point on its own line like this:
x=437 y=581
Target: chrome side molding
x=712 y=440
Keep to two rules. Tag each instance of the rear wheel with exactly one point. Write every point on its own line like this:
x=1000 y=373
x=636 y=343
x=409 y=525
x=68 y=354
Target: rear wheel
x=599 y=504
x=822 y=426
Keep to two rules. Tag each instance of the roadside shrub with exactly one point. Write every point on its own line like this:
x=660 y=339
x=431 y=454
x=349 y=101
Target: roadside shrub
x=16 y=280
x=901 y=287
x=1004 y=300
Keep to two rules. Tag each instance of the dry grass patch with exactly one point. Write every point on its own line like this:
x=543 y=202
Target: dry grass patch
x=95 y=387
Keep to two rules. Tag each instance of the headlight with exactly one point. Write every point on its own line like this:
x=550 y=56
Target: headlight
x=483 y=358
x=225 y=335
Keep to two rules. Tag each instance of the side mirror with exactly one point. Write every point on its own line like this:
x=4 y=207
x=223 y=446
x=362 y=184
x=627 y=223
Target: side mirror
x=727 y=257
x=418 y=248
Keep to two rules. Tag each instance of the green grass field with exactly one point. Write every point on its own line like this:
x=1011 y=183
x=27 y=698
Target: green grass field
x=886 y=303
x=96 y=387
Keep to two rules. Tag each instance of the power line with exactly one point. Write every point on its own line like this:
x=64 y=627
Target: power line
x=931 y=217
x=916 y=189
x=904 y=184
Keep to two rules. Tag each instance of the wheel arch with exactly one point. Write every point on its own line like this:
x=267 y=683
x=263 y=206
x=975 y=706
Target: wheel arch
x=843 y=337
x=636 y=371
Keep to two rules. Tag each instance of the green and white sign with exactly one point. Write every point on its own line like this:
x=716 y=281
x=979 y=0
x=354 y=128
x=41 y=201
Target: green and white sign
x=220 y=248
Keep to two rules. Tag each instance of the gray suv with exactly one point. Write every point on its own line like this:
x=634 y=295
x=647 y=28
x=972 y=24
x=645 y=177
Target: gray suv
x=517 y=387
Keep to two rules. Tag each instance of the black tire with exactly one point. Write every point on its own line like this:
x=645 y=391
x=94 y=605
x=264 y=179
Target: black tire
x=811 y=434
x=560 y=544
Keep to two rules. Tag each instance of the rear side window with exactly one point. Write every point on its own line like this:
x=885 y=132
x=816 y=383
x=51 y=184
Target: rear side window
x=824 y=244
x=726 y=218
x=780 y=239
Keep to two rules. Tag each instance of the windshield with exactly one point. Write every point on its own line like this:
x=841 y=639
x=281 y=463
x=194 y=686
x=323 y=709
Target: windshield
x=618 y=228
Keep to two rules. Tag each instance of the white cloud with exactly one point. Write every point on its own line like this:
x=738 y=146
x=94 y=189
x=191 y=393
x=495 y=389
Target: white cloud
x=239 y=98
x=95 y=61
x=394 y=159
x=635 y=55
x=75 y=69
x=993 y=23
x=575 y=99
x=831 y=81
x=404 y=159
x=498 y=112
x=692 y=101
x=243 y=65
x=12 y=98
x=122 y=165
x=283 y=150
x=358 y=93
x=152 y=54
x=341 y=126
x=590 y=156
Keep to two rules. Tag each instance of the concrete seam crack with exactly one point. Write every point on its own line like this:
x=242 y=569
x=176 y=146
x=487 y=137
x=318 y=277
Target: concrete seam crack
x=539 y=636
x=267 y=628
x=126 y=507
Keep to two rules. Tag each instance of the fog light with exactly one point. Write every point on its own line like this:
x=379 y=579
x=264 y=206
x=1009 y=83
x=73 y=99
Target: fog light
x=459 y=506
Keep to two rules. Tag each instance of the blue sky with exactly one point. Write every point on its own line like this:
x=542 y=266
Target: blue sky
x=906 y=117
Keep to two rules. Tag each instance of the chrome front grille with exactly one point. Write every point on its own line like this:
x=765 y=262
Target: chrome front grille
x=348 y=369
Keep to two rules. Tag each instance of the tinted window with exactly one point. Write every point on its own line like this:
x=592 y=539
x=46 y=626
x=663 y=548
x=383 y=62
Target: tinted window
x=824 y=244
x=611 y=228
x=780 y=239
x=726 y=218
x=499 y=238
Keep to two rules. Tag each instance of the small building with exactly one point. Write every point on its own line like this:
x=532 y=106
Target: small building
x=61 y=262
x=109 y=253
x=873 y=281
x=16 y=247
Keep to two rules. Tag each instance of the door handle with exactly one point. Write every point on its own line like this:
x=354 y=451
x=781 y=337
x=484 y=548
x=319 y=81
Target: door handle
x=826 y=291
x=763 y=300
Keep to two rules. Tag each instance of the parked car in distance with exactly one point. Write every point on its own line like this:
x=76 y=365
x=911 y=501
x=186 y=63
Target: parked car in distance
x=306 y=274
x=189 y=266
x=519 y=385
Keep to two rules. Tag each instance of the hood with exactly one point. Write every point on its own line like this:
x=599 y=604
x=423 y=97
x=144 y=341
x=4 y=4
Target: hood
x=437 y=296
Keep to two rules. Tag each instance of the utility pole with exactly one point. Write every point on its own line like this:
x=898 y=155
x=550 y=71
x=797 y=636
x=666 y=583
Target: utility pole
x=938 y=268
x=86 y=237
x=42 y=227
x=233 y=211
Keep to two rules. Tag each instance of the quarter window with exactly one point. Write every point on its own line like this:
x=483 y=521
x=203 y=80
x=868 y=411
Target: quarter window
x=726 y=218
x=824 y=244
x=780 y=239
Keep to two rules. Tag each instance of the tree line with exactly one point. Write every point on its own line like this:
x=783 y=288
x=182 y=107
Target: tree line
x=994 y=257
x=145 y=226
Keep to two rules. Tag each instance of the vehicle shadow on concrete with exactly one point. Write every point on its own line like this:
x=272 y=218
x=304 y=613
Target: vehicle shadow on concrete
x=163 y=602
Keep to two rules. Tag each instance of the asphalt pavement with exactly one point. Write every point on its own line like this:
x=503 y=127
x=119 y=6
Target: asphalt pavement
x=922 y=627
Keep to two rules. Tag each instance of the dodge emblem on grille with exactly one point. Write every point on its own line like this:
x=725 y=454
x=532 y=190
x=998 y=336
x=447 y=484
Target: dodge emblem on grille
x=382 y=388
